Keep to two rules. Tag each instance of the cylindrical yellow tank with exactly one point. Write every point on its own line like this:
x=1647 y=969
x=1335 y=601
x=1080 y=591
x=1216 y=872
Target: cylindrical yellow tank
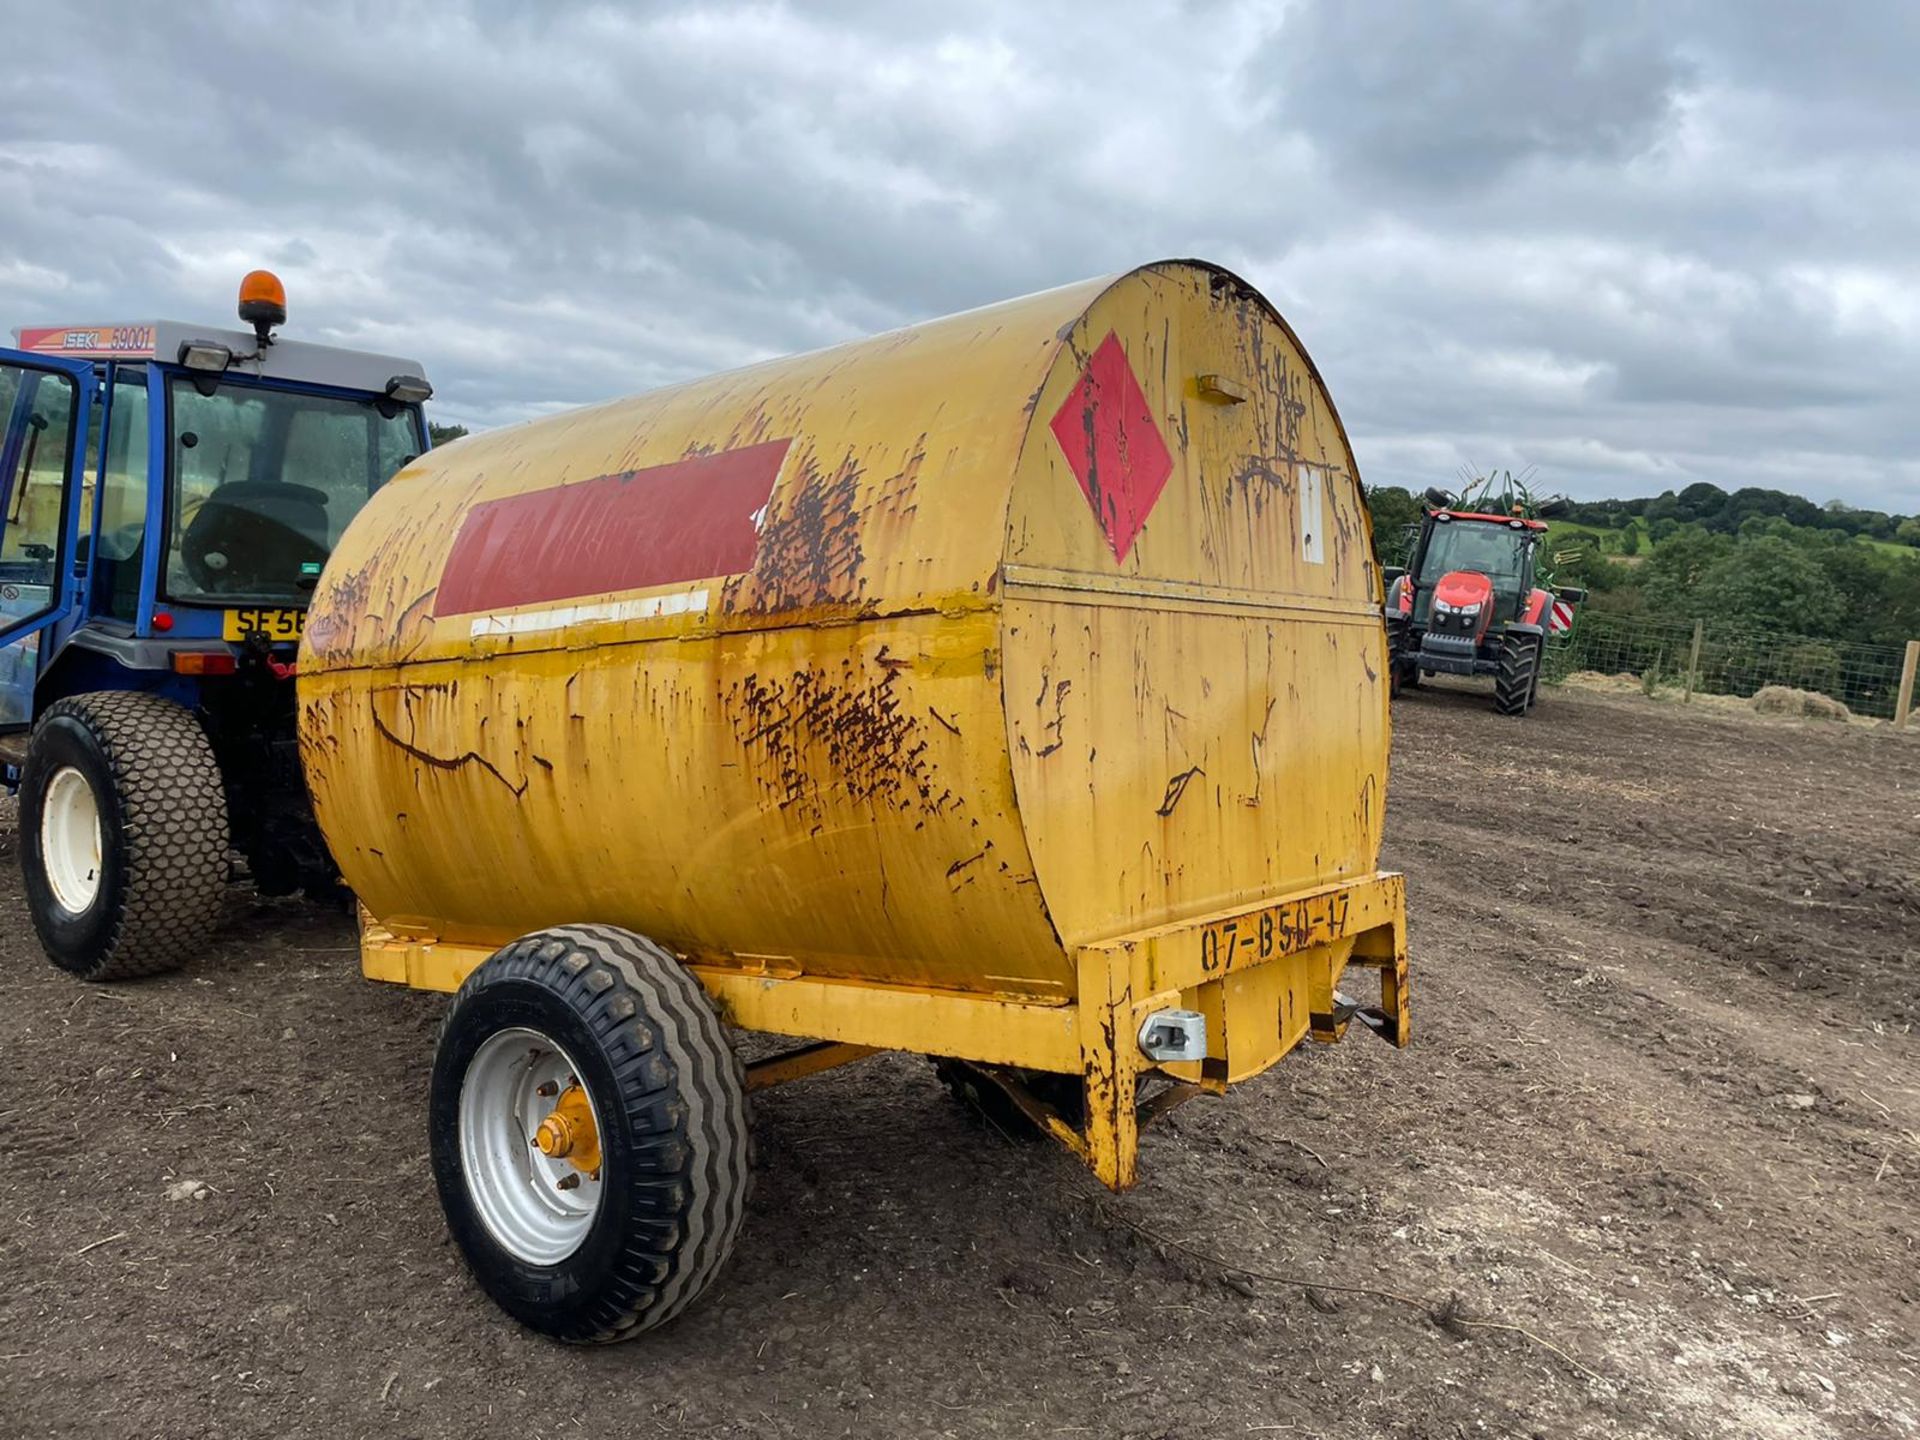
x=922 y=659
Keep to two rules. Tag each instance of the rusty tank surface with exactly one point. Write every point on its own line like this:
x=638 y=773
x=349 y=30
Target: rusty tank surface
x=1010 y=688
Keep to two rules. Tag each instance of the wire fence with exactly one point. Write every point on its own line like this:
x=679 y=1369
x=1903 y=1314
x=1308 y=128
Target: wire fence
x=1733 y=661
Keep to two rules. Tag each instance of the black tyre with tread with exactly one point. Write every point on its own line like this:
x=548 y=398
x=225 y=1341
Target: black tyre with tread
x=163 y=834
x=670 y=1097
x=1514 y=686
x=1403 y=668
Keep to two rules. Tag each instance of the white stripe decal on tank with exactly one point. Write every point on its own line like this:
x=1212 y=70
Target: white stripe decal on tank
x=647 y=607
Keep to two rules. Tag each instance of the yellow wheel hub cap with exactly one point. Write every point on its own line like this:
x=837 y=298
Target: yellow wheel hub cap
x=568 y=1132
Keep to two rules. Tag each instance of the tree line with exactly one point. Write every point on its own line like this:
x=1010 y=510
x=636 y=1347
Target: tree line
x=1752 y=558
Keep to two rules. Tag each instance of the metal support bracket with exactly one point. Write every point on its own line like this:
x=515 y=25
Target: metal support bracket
x=1074 y=1136
x=1384 y=949
x=802 y=1061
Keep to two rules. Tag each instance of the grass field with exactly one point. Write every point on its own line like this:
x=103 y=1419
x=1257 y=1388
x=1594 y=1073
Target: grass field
x=1611 y=537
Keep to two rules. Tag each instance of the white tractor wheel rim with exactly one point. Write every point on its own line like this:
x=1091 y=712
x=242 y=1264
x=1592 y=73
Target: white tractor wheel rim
x=70 y=840
x=515 y=1188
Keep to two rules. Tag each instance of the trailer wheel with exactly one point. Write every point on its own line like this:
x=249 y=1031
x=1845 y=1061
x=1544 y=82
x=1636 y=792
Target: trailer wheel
x=1514 y=686
x=123 y=835
x=589 y=1133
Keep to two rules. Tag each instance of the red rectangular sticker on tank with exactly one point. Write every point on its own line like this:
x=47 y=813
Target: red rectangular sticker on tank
x=689 y=520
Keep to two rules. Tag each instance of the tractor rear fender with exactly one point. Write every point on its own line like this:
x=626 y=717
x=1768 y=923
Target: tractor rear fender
x=1536 y=611
x=91 y=663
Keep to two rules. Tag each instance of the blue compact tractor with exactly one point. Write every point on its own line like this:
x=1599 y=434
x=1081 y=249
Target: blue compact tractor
x=168 y=496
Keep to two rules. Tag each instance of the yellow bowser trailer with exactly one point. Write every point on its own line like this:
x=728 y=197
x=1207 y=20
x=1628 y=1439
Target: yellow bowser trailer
x=1009 y=688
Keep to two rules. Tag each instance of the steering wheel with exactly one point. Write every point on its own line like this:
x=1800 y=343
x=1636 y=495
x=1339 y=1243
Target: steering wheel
x=254 y=535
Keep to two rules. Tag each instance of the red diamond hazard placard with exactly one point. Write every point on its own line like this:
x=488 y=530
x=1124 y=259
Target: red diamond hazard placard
x=1107 y=433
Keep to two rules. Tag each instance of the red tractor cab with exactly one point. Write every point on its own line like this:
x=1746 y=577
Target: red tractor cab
x=1467 y=603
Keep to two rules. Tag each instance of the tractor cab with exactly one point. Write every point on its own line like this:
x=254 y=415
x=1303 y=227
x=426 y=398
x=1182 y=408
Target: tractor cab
x=1467 y=602
x=1498 y=549
x=169 y=494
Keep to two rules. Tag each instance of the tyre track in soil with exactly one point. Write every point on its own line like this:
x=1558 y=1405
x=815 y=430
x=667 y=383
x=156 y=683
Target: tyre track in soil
x=1586 y=1138
x=1701 y=978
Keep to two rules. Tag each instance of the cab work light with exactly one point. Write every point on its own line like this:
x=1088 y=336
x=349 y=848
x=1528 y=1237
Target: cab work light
x=205 y=355
x=409 y=389
x=204 y=662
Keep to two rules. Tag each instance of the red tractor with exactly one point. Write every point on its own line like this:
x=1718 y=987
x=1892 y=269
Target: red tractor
x=1467 y=604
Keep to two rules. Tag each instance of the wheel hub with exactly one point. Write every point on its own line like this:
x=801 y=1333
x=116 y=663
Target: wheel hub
x=568 y=1133
x=530 y=1146
x=70 y=840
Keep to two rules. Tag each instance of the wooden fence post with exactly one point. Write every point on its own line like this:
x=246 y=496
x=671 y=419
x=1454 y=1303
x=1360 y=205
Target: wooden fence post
x=1904 y=705
x=1693 y=662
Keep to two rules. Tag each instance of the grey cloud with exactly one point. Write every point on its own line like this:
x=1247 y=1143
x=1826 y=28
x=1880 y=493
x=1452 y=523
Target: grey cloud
x=1450 y=94
x=1638 y=245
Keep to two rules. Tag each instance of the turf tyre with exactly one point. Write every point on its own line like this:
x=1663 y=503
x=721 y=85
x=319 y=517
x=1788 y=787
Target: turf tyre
x=162 y=813
x=670 y=1101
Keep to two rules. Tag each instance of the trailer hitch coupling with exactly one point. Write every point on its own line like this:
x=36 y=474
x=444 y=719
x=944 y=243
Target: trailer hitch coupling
x=1174 y=1035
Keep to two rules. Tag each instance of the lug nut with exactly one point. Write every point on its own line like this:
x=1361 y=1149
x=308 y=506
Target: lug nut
x=548 y=1090
x=567 y=1182
x=555 y=1136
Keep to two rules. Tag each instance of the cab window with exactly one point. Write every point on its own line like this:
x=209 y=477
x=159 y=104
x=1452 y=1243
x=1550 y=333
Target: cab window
x=123 y=502
x=38 y=407
x=265 y=482
x=1495 y=551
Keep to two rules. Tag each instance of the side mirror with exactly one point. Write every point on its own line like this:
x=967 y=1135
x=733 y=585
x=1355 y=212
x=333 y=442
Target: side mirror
x=1572 y=594
x=1553 y=509
x=1436 y=497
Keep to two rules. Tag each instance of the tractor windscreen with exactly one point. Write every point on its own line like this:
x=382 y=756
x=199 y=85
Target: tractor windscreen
x=264 y=482
x=1495 y=551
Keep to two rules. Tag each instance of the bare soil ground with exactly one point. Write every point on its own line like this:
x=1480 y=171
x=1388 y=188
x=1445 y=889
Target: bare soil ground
x=1662 y=1110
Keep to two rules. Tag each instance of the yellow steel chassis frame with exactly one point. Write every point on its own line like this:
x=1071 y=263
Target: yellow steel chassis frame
x=1094 y=1035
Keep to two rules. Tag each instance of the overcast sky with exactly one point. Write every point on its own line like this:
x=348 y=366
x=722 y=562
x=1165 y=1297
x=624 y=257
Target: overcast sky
x=1634 y=245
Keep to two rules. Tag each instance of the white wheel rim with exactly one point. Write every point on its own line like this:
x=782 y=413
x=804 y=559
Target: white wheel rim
x=70 y=840
x=515 y=1188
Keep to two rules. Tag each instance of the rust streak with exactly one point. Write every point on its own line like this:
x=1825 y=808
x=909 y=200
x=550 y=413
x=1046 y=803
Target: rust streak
x=1176 y=787
x=1058 y=723
x=441 y=762
x=815 y=734
x=959 y=865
